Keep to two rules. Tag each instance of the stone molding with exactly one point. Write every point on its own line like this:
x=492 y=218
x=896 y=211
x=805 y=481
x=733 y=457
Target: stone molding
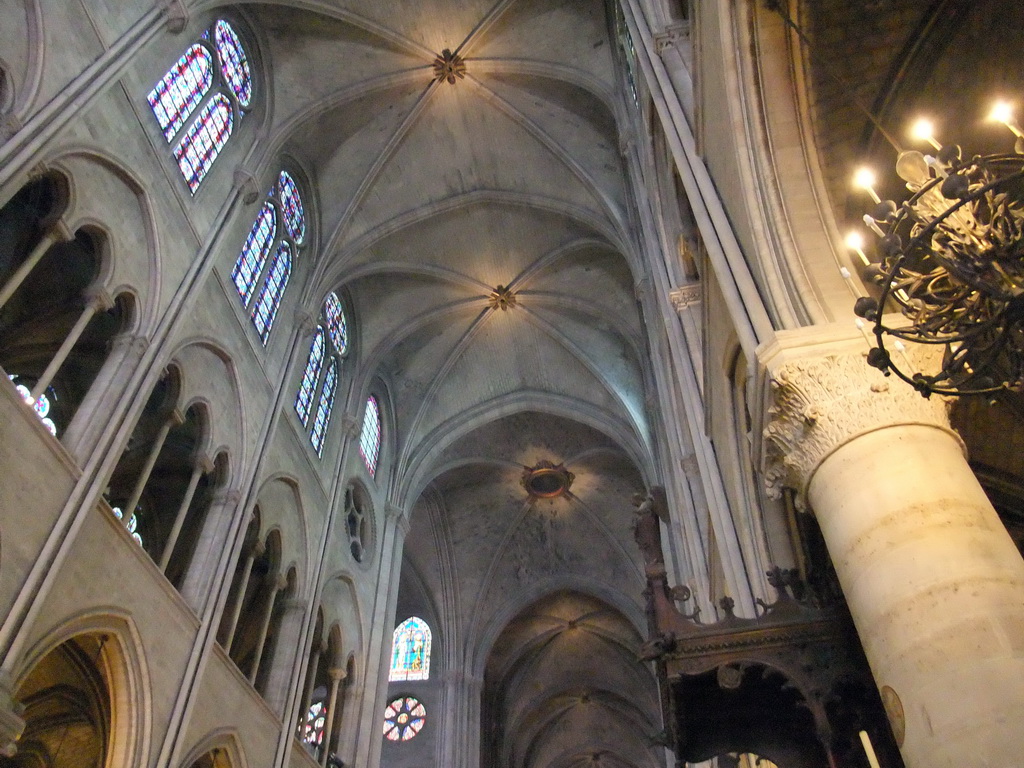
x=818 y=404
x=177 y=16
x=686 y=296
x=247 y=185
x=672 y=35
x=11 y=723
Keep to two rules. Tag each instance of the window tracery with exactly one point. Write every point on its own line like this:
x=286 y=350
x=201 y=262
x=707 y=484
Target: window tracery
x=404 y=717
x=220 y=75
x=281 y=220
x=321 y=376
x=410 y=651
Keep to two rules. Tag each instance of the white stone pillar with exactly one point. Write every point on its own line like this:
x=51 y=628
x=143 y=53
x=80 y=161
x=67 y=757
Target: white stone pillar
x=56 y=234
x=95 y=304
x=336 y=675
x=375 y=689
x=179 y=518
x=147 y=468
x=236 y=609
x=934 y=583
x=268 y=614
x=287 y=647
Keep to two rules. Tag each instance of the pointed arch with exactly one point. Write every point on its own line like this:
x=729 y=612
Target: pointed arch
x=182 y=89
x=265 y=310
x=253 y=258
x=204 y=140
x=323 y=411
x=369 y=437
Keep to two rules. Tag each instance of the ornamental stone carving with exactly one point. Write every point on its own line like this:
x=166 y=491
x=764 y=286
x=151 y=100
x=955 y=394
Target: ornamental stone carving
x=820 y=404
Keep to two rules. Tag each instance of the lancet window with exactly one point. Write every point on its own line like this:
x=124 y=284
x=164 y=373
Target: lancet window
x=410 y=651
x=319 y=385
x=279 y=229
x=369 y=437
x=212 y=77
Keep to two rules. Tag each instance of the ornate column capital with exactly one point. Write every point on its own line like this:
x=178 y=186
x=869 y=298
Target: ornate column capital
x=247 y=184
x=686 y=296
x=176 y=15
x=818 y=396
x=671 y=35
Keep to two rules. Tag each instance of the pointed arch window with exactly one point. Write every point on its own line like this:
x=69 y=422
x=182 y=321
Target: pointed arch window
x=214 y=69
x=310 y=377
x=330 y=342
x=369 y=437
x=410 y=651
x=323 y=411
x=281 y=221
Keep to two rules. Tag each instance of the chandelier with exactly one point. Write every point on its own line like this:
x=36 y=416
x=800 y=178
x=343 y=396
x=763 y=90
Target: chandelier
x=950 y=259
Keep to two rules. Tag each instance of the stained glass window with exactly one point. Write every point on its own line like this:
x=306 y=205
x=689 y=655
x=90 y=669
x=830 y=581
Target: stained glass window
x=291 y=207
x=233 y=63
x=334 y=315
x=316 y=719
x=410 y=651
x=369 y=438
x=40 y=406
x=253 y=257
x=265 y=310
x=204 y=140
x=132 y=526
x=323 y=411
x=404 y=717
x=304 y=400
x=181 y=89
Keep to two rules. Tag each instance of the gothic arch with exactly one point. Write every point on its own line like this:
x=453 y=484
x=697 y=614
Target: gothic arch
x=227 y=746
x=117 y=649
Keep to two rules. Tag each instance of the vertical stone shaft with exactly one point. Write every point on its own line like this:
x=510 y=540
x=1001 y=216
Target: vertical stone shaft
x=934 y=583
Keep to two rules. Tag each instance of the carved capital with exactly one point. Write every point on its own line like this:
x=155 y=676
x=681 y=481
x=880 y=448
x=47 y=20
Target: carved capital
x=350 y=425
x=685 y=296
x=305 y=321
x=817 y=405
x=247 y=185
x=176 y=15
x=671 y=36
x=396 y=513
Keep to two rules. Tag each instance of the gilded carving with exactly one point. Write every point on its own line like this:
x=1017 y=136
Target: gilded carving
x=820 y=404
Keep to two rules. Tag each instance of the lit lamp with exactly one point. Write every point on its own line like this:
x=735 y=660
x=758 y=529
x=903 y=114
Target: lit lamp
x=951 y=259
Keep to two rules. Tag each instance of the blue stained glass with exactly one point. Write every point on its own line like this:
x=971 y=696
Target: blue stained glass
x=323 y=411
x=233 y=63
x=334 y=315
x=369 y=437
x=204 y=140
x=410 y=651
x=181 y=89
x=267 y=304
x=253 y=257
x=304 y=399
x=291 y=205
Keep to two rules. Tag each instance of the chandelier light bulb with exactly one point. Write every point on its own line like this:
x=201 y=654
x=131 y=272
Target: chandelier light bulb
x=924 y=130
x=864 y=178
x=1002 y=112
x=855 y=242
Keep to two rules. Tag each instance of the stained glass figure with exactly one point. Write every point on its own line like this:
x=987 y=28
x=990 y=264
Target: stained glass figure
x=323 y=411
x=234 y=65
x=181 y=89
x=291 y=207
x=253 y=257
x=265 y=310
x=404 y=717
x=410 y=651
x=369 y=437
x=337 y=327
x=304 y=399
x=316 y=719
x=204 y=140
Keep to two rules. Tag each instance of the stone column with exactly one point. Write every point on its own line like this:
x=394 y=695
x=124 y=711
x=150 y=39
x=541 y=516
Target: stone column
x=378 y=654
x=934 y=583
x=288 y=646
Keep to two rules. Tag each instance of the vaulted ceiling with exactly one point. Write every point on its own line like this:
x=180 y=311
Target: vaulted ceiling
x=433 y=197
